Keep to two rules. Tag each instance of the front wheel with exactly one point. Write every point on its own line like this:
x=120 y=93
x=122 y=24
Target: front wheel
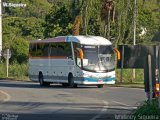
x=100 y=86
x=64 y=84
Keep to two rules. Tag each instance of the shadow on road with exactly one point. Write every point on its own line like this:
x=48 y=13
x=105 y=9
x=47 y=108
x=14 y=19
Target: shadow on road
x=58 y=110
x=63 y=116
x=53 y=104
x=22 y=84
x=72 y=111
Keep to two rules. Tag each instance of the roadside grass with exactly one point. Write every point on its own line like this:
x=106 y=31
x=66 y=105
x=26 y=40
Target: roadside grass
x=16 y=71
x=129 y=85
x=128 y=76
x=128 y=80
x=148 y=111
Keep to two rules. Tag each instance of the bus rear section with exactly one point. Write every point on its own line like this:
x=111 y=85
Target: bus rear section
x=50 y=62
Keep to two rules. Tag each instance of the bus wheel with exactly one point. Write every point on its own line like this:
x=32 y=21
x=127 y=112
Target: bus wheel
x=75 y=86
x=64 y=84
x=41 y=81
x=100 y=86
x=70 y=81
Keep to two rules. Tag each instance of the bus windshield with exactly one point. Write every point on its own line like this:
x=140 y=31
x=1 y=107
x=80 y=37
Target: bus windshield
x=98 y=58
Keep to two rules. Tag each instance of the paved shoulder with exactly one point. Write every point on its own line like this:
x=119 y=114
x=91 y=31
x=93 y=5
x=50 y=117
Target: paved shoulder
x=4 y=96
x=30 y=101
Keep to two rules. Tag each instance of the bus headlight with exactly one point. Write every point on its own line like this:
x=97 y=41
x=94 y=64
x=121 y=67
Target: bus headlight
x=85 y=75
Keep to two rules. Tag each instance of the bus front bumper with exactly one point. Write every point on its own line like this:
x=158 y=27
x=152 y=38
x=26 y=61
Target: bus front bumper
x=95 y=81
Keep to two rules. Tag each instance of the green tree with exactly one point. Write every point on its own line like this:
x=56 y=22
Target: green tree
x=58 y=21
x=148 y=18
x=50 y=18
x=17 y=32
x=20 y=50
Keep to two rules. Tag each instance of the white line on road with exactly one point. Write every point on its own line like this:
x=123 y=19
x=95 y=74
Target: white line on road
x=142 y=89
x=122 y=108
x=121 y=103
x=8 y=97
x=102 y=111
x=125 y=105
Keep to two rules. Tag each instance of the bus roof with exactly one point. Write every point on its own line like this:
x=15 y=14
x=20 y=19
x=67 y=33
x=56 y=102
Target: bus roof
x=87 y=40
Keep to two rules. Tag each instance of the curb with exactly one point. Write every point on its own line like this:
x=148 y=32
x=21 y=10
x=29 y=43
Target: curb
x=127 y=86
x=13 y=79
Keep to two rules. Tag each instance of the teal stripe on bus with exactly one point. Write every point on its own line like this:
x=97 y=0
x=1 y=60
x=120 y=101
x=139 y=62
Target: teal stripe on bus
x=96 y=79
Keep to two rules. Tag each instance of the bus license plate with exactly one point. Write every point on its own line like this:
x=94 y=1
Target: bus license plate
x=100 y=81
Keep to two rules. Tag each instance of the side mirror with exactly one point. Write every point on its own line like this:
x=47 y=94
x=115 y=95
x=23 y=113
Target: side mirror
x=117 y=53
x=81 y=55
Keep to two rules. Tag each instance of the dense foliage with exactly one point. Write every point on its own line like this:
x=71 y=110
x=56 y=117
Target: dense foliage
x=148 y=111
x=49 y=18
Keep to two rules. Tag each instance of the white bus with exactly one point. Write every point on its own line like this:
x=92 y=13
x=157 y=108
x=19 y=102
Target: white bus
x=72 y=60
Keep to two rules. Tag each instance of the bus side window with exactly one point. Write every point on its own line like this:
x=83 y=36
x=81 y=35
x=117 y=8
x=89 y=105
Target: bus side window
x=52 y=51
x=46 y=51
x=60 y=51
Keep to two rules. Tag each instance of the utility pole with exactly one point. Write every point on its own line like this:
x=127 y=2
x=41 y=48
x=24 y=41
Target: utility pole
x=0 y=28
x=134 y=30
x=135 y=10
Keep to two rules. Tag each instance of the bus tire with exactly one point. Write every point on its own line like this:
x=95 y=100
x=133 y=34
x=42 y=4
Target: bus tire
x=75 y=86
x=64 y=84
x=71 y=81
x=100 y=86
x=41 y=81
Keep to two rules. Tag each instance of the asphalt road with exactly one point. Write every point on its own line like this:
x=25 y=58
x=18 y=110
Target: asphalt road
x=29 y=101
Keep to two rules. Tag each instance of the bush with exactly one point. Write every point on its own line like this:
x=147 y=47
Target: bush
x=16 y=70
x=148 y=111
x=149 y=108
x=128 y=76
x=2 y=70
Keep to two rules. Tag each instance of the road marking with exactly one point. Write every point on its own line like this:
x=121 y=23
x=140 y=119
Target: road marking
x=114 y=87
x=125 y=105
x=103 y=110
x=121 y=103
x=8 y=97
x=121 y=107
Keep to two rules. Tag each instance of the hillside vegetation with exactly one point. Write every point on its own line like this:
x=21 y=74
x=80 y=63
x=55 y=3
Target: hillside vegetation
x=49 y=18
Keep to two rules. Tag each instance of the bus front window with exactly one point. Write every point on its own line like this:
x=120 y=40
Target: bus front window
x=98 y=58
x=106 y=57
